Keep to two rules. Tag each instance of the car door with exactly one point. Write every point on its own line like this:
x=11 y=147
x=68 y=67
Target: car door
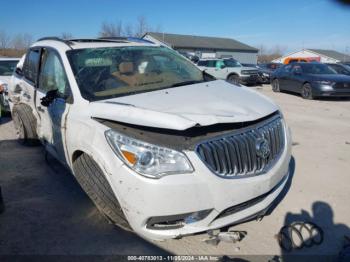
x=221 y=69
x=284 y=77
x=211 y=69
x=53 y=84
x=296 y=79
x=25 y=89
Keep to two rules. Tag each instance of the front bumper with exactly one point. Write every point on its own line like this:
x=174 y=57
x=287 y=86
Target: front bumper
x=328 y=91
x=142 y=198
x=334 y=93
x=249 y=79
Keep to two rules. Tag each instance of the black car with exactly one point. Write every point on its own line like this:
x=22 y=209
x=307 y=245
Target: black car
x=340 y=68
x=266 y=71
x=311 y=80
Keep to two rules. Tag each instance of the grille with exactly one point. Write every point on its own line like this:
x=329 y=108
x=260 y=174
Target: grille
x=342 y=85
x=242 y=154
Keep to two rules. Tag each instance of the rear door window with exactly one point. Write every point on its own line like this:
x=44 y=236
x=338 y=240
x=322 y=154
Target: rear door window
x=211 y=63
x=31 y=64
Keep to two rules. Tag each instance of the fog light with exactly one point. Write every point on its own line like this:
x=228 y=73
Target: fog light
x=176 y=221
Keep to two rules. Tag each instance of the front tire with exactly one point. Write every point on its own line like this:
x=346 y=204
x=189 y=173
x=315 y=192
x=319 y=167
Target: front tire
x=25 y=125
x=233 y=79
x=92 y=179
x=306 y=91
x=276 y=86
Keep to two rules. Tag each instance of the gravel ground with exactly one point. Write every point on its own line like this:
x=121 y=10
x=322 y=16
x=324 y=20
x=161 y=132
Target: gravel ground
x=47 y=212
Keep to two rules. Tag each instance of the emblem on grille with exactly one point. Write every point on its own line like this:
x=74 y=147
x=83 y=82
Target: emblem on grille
x=262 y=147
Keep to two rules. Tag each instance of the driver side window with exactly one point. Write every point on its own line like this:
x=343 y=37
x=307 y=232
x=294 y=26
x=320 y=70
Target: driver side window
x=52 y=74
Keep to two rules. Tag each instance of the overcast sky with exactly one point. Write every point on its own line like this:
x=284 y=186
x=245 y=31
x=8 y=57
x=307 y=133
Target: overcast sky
x=288 y=24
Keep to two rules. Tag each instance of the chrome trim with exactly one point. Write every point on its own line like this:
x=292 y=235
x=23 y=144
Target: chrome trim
x=234 y=155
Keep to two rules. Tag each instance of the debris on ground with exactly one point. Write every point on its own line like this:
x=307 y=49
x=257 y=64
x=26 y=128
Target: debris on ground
x=215 y=236
x=299 y=235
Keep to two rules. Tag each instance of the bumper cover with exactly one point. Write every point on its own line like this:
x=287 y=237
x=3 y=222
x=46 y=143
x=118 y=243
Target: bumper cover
x=142 y=198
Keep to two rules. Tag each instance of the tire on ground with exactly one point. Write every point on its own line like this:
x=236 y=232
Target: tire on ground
x=25 y=122
x=93 y=181
x=233 y=79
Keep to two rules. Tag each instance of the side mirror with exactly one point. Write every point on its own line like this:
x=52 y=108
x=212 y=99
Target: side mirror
x=297 y=72
x=19 y=71
x=222 y=66
x=48 y=99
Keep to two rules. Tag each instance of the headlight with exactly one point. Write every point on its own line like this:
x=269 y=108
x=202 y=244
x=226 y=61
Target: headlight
x=146 y=159
x=328 y=83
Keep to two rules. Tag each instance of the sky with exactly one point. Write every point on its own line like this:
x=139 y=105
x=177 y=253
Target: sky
x=288 y=24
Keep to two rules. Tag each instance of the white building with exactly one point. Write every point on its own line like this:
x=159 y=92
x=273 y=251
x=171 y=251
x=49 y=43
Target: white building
x=206 y=47
x=320 y=55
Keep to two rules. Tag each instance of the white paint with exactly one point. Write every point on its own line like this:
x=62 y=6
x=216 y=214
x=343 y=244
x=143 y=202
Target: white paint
x=176 y=108
x=201 y=104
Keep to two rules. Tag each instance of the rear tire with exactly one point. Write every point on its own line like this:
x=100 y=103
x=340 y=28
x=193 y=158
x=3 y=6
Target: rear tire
x=275 y=86
x=92 y=179
x=233 y=79
x=25 y=125
x=306 y=91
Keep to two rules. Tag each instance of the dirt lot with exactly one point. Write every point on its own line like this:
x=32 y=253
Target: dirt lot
x=47 y=212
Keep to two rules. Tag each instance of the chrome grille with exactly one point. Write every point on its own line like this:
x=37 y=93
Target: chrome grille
x=237 y=154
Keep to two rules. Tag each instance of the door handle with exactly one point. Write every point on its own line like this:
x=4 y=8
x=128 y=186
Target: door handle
x=41 y=109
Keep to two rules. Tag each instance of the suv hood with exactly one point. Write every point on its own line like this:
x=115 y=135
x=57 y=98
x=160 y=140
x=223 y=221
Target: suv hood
x=183 y=107
x=249 y=68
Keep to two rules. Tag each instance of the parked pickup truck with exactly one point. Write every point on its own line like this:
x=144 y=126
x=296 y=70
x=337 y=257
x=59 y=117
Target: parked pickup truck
x=159 y=146
x=229 y=69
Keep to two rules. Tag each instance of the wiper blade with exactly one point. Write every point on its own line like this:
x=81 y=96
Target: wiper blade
x=187 y=83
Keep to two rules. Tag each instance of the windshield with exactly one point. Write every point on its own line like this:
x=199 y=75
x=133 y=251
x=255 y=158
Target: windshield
x=7 y=67
x=317 y=69
x=232 y=63
x=103 y=73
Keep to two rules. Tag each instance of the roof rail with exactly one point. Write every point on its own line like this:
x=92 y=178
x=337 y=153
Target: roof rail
x=128 y=38
x=55 y=38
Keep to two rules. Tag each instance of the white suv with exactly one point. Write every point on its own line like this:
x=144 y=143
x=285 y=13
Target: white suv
x=159 y=146
x=229 y=69
x=7 y=66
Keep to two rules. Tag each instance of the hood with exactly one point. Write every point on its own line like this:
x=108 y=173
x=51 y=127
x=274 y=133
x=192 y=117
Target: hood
x=332 y=78
x=249 y=68
x=183 y=107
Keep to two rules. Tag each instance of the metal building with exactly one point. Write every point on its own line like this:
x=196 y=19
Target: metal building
x=206 y=47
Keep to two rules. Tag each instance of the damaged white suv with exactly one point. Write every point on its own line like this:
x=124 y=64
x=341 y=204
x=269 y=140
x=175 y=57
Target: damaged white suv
x=159 y=146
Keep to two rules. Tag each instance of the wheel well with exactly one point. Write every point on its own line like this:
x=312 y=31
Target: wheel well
x=76 y=154
x=232 y=74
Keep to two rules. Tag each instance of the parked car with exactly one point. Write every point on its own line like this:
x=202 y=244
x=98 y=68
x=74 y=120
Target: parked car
x=230 y=70
x=340 y=68
x=311 y=80
x=7 y=67
x=266 y=70
x=159 y=146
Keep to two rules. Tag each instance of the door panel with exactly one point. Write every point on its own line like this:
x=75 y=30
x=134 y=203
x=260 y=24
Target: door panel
x=296 y=79
x=284 y=77
x=51 y=126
